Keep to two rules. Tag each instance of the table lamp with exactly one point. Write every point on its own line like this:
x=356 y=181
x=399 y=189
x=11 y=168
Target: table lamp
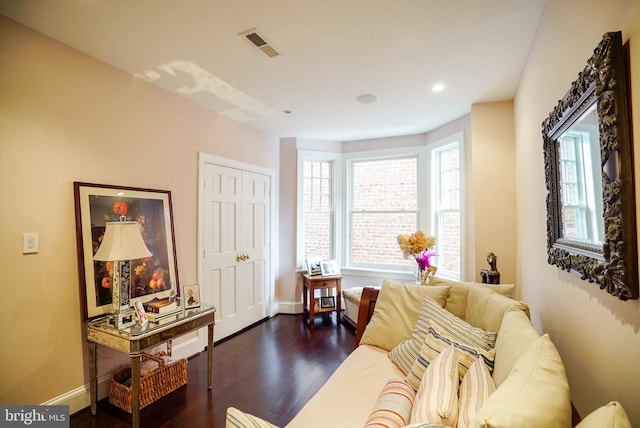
x=122 y=242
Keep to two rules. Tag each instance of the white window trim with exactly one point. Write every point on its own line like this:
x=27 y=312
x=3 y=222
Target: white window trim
x=423 y=187
x=431 y=148
x=336 y=158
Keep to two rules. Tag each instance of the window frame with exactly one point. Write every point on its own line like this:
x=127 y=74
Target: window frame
x=434 y=148
x=336 y=202
x=422 y=203
x=342 y=200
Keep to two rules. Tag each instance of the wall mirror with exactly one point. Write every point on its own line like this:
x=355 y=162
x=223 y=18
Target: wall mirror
x=591 y=220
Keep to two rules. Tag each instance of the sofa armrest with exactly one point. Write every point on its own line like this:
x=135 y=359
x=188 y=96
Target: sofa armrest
x=365 y=310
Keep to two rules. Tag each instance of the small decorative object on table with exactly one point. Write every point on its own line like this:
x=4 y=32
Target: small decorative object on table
x=420 y=247
x=491 y=276
x=191 y=296
x=142 y=316
x=313 y=265
x=330 y=268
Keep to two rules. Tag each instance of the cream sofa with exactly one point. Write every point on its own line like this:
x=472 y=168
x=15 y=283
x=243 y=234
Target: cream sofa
x=531 y=387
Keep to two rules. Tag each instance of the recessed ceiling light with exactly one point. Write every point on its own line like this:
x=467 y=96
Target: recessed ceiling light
x=366 y=98
x=438 y=88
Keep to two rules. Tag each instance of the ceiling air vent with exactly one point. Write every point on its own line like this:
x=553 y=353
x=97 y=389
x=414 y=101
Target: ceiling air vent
x=260 y=43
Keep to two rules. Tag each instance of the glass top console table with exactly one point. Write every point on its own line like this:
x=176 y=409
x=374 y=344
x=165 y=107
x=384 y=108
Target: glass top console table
x=133 y=340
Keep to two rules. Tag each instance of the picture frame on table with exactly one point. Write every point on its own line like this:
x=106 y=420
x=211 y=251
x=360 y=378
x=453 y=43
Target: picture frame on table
x=314 y=266
x=191 y=296
x=329 y=268
x=153 y=277
x=327 y=302
x=142 y=315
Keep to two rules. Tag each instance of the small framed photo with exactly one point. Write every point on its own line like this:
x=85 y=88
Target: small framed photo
x=327 y=302
x=316 y=303
x=142 y=315
x=313 y=266
x=329 y=268
x=191 y=296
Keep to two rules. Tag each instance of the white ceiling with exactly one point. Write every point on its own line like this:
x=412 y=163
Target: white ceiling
x=331 y=52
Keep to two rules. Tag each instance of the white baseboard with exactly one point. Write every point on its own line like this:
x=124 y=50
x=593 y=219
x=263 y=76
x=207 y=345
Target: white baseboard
x=289 y=307
x=80 y=397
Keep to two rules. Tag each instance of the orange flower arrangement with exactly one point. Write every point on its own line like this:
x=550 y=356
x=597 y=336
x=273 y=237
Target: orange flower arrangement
x=415 y=244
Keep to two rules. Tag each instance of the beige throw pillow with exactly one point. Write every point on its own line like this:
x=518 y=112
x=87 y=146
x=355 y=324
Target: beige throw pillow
x=515 y=336
x=610 y=416
x=536 y=393
x=475 y=388
x=396 y=312
x=485 y=308
x=238 y=419
x=457 y=300
x=437 y=398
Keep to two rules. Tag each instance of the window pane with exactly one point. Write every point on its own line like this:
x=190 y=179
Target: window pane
x=318 y=209
x=447 y=210
x=449 y=242
x=374 y=237
x=385 y=185
x=317 y=232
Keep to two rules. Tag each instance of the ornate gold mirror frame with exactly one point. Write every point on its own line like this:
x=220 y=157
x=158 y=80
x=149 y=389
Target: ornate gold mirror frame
x=609 y=260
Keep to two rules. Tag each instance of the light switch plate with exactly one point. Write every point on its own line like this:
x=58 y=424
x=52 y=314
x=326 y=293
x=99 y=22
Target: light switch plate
x=29 y=243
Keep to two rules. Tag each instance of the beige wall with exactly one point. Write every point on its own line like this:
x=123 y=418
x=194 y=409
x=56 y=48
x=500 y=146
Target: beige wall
x=493 y=170
x=66 y=117
x=597 y=335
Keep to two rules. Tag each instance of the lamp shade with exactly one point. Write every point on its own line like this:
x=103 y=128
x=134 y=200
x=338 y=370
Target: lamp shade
x=122 y=241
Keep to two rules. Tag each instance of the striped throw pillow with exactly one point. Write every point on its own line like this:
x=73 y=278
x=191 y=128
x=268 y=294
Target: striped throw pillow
x=476 y=386
x=437 y=397
x=436 y=342
x=393 y=406
x=239 y=419
x=431 y=313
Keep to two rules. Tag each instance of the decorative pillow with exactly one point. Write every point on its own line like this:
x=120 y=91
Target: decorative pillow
x=485 y=309
x=239 y=419
x=475 y=388
x=457 y=300
x=427 y=426
x=404 y=355
x=436 y=342
x=536 y=393
x=610 y=416
x=393 y=406
x=437 y=398
x=515 y=336
x=396 y=312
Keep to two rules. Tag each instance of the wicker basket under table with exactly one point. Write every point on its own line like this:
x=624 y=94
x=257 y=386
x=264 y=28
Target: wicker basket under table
x=156 y=384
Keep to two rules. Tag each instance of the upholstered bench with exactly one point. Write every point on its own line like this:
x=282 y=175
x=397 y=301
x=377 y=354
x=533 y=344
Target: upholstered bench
x=351 y=297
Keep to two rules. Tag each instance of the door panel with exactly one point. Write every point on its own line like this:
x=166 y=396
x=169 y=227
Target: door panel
x=236 y=246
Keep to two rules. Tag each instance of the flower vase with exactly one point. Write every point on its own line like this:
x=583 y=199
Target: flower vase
x=417 y=273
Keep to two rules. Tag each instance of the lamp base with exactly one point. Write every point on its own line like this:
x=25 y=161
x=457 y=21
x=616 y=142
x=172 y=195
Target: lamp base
x=122 y=319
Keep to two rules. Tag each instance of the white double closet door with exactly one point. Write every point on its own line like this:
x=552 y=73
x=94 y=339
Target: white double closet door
x=234 y=245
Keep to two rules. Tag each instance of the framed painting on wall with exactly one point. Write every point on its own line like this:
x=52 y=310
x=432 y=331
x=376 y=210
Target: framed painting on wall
x=153 y=277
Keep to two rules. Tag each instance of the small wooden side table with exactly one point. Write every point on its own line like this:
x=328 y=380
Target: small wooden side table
x=330 y=286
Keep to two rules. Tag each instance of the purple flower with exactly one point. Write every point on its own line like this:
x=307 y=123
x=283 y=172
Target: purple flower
x=423 y=259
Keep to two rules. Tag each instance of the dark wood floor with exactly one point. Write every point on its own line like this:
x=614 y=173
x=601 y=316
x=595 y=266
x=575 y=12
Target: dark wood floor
x=271 y=370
